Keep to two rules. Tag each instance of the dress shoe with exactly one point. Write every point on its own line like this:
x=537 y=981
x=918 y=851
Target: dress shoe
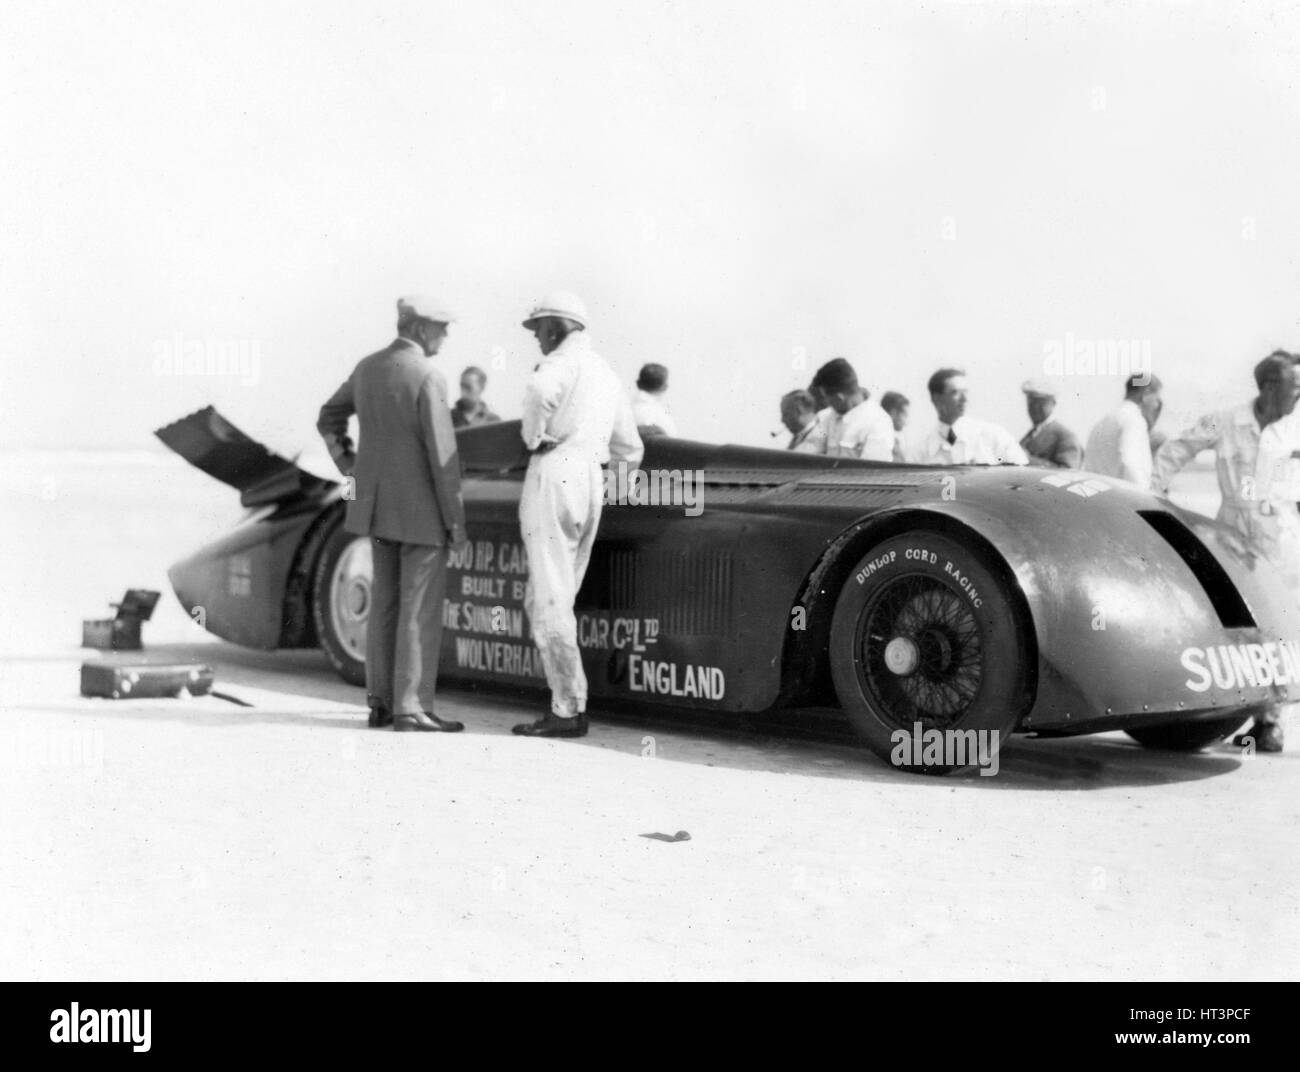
x=425 y=722
x=550 y=725
x=380 y=716
x=1266 y=735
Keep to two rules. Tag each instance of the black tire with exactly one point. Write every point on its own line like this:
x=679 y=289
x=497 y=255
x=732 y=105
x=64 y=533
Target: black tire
x=923 y=631
x=1187 y=736
x=340 y=607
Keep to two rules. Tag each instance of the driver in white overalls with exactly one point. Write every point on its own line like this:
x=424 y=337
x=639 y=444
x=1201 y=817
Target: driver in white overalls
x=576 y=416
x=1255 y=446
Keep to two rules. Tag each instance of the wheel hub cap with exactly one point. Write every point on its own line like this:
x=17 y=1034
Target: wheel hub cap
x=349 y=597
x=902 y=656
x=358 y=597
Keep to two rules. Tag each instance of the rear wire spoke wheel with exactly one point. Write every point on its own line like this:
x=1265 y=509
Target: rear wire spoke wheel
x=925 y=635
x=920 y=652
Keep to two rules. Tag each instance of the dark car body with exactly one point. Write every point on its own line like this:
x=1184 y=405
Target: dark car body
x=1134 y=612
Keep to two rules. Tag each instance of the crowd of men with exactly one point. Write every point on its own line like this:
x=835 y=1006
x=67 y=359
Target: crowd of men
x=577 y=417
x=649 y=406
x=836 y=415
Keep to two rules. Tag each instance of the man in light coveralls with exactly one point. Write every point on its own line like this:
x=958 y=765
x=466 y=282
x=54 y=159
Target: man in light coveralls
x=1255 y=444
x=576 y=417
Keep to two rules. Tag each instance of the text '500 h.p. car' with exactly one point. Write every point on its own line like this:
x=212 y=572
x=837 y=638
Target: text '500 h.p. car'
x=1004 y=599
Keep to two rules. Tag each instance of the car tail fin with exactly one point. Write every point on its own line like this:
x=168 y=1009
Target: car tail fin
x=209 y=442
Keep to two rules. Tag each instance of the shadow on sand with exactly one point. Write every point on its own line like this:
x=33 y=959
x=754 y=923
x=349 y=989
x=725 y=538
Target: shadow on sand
x=812 y=742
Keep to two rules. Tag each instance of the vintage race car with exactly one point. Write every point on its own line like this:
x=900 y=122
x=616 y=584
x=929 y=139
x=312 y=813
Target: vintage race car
x=999 y=599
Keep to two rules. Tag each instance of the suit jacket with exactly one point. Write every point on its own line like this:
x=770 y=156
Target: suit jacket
x=406 y=468
x=1051 y=443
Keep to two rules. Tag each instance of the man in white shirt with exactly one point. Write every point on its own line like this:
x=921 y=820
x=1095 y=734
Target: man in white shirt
x=897 y=406
x=1120 y=443
x=823 y=417
x=576 y=416
x=648 y=405
x=962 y=440
x=860 y=428
x=1255 y=445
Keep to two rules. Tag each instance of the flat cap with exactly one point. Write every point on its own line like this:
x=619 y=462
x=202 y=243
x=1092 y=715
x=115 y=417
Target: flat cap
x=1038 y=388
x=424 y=306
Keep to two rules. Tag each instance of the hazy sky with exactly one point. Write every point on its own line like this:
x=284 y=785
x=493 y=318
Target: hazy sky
x=739 y=190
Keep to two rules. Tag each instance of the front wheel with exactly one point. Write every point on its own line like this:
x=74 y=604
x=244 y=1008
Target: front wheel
x=341 y=602
x=926 y=646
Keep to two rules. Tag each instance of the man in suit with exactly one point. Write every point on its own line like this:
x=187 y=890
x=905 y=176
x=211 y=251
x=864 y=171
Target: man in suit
x=1048 y=442
x=408 y=501
x=576 y=417
x=799 y=415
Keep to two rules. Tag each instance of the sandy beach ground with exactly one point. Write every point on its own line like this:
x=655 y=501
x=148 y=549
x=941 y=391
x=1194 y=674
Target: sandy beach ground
x=197 y=839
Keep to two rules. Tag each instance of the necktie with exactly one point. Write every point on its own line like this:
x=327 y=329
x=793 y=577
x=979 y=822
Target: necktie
x=952 y=437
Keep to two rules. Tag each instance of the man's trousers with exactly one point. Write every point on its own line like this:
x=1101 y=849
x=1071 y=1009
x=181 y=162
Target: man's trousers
x=404 y=634
x=559 y=512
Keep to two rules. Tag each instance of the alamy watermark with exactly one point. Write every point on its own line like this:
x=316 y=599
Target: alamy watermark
x=626 y=486
x=181 y=356
x=75 y=1024
x=946 y=748
x=44 y=749
x=1097 y=357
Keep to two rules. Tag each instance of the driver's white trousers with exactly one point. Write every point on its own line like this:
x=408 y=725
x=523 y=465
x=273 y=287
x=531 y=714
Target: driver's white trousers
x=559 y=511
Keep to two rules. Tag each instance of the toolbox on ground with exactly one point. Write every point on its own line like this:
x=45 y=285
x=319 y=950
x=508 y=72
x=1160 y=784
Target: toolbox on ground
x=122 y=632
x=128 y=681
